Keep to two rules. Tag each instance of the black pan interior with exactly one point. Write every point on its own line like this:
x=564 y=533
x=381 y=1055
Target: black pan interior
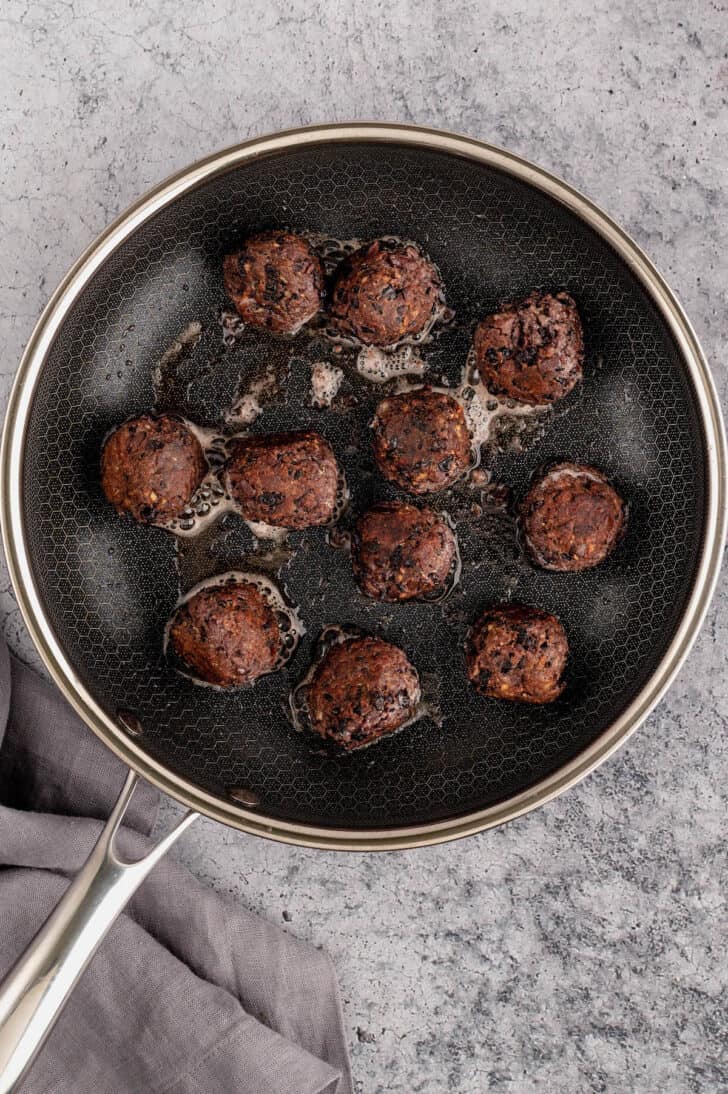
x=109 y=585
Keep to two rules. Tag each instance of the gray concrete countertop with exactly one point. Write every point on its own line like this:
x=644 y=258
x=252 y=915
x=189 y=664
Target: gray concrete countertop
x=580 y=948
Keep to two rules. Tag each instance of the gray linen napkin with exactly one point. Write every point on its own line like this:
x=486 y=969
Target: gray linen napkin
x=189 y=993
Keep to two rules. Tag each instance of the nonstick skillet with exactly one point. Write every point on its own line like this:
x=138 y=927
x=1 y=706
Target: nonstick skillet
x=96 y=591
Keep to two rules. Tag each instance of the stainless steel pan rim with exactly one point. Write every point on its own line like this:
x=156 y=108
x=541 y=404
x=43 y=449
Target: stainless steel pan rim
x=49 y=646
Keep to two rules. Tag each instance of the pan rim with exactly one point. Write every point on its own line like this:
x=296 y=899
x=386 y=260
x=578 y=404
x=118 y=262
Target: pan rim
x=48 y=645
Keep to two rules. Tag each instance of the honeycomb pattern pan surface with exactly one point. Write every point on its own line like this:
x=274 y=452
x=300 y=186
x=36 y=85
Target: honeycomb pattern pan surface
x=107 y=586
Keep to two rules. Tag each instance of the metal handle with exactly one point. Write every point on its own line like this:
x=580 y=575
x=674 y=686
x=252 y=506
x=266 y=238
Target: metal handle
x=35 y=990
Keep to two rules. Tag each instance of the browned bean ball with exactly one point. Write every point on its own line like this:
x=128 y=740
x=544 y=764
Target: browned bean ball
x=275 y=281
x=363 y=689
x=227 y=634
x=151 y=467
x=421 y=440
x=517 y=653
x=572 y=518
x=400 y=551
x=289 y=480
x=531 y=351
x=384 y=292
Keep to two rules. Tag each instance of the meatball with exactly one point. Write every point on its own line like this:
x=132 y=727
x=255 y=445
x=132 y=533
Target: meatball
x=151 y=467
x=289 y=480
x=363 y=689
x=275 y=281
x=227 y=634
x=572 y=518
x=517 y=653
x=421 y=440
x=384 y=292
x=531 y=351
x=400 y=552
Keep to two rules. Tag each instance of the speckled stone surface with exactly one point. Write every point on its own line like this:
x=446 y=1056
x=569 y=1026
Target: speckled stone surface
x=581 y=948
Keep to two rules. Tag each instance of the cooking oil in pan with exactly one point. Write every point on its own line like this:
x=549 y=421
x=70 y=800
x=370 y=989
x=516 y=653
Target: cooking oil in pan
x=224 y=544
x=495 y=420
x=232 y=327
x=210 y=500
x=378 y=365
x=251 y=397
x=165 y=380
x=325 y=383
x=332 y=252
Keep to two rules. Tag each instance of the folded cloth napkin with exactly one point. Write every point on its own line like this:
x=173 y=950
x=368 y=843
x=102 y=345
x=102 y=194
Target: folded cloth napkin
x=189 y=992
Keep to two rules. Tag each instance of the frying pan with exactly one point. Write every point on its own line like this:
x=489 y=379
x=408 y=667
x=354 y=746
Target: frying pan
x=95 y=591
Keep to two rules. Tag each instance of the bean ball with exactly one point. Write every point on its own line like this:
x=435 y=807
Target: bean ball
x=227 y=634
x=400 y=552
x=517 y=653
x=531 y=351
x=572 y=518
x=289 y=480
x=421 y=440
x=275 y=281
x=385 y=292
x=363 y=689
x=151 y=467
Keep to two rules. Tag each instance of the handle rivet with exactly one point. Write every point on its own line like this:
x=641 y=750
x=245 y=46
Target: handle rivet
x=130 y=722
x=243 y=797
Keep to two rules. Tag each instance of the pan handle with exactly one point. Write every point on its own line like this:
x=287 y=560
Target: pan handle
x=34 y=992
